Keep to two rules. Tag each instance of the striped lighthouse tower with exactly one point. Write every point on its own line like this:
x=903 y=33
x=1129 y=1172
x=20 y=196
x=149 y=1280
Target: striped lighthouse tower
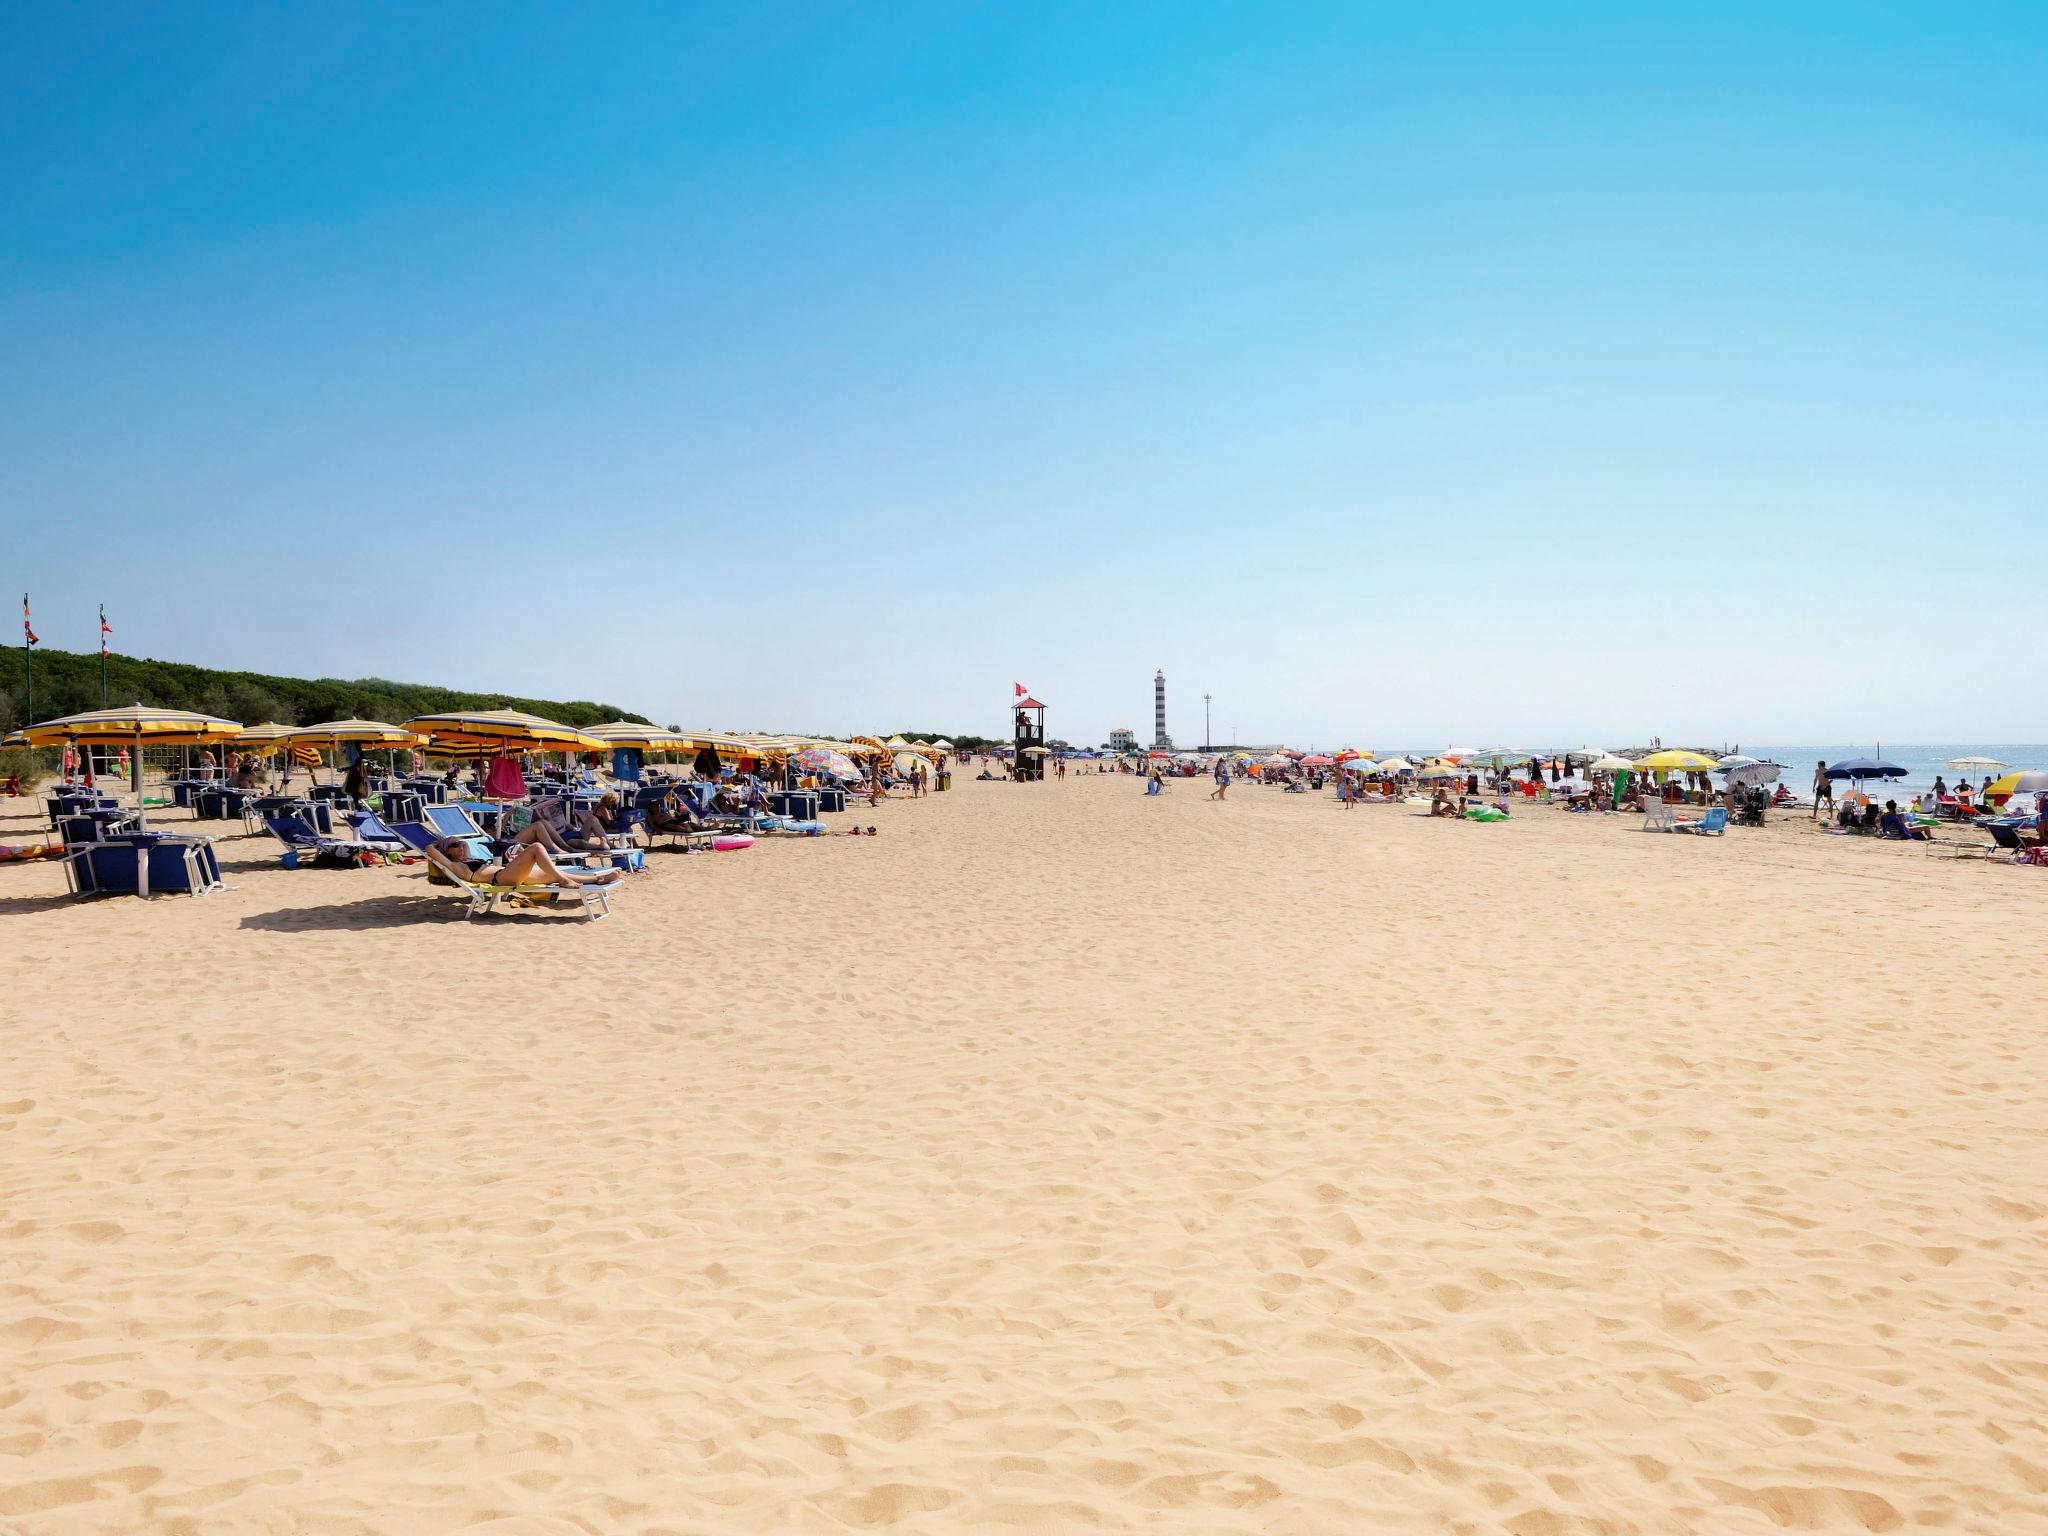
x=1159 y=736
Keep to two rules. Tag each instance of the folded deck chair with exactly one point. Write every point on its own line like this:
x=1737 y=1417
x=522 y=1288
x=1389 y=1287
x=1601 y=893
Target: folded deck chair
x=486 y=898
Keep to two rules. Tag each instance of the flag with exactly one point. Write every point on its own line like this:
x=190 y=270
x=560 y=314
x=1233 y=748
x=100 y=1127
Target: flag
x=106 y=629
x=25 y=629
x=1020 y=689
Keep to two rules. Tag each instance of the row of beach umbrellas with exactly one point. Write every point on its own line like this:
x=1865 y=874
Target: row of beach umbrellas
x=454 y=733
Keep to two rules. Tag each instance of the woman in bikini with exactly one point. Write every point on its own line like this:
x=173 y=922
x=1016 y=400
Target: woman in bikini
x=528 y=865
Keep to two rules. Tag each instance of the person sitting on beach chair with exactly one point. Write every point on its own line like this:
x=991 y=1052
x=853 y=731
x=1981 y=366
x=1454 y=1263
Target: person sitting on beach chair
x=530 y=865
x=1891 y=823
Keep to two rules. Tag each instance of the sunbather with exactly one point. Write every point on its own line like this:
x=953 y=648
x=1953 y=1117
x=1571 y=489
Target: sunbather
x=1892 y=824
x=530 y=865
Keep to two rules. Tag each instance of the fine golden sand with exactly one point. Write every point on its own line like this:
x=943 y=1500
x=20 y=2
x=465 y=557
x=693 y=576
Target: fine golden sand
x=1059 y=1160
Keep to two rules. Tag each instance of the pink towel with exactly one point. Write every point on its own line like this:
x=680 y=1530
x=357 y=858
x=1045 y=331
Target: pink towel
x=503 y=780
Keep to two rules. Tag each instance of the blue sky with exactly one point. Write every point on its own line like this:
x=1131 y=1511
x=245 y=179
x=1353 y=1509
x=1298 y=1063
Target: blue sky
x=1503 y=373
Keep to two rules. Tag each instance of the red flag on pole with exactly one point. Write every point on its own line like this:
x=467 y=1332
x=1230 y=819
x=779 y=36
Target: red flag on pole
x=25 y=629
x=1020 y=689
x=106 y=629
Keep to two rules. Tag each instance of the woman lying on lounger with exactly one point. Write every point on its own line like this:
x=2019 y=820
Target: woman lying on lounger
x=530 y=865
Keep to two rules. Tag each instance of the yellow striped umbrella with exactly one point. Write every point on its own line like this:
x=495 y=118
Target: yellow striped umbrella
x=133 y=725
x=511 y=729
x=268 y=734
x=648 y=738
x=367 y=733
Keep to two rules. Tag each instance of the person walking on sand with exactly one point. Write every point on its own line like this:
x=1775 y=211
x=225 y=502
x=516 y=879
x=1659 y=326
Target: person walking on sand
x=1222 y=779
x=1823 y=789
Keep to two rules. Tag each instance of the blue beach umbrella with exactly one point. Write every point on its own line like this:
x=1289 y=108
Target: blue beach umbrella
x=1865 y=768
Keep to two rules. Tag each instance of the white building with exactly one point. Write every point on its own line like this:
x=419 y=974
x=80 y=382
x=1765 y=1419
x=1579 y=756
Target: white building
x=1123 y=739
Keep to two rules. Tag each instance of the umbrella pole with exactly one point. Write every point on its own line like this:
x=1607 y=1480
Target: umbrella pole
x=141 y=810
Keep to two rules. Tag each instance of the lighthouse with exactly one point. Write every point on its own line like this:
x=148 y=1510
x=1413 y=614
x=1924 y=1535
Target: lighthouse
x=1160 y=740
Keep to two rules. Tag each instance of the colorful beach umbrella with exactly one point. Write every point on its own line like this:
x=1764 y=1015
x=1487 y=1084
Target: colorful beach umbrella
x=825 y=760
x=1318 y=761
x=2027 y=782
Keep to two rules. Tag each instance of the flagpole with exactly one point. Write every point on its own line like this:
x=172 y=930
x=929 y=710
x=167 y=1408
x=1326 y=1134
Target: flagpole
x=103 y=655
x=28 y=661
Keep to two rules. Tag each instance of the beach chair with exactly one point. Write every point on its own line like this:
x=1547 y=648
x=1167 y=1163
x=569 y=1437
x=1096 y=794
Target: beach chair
x=302 y=844
x=1962 y=848
x=374 y=833
x=454 y=821
x=1715 y=822
x=2005 y=840
x=1659 y=817
x=486 y=898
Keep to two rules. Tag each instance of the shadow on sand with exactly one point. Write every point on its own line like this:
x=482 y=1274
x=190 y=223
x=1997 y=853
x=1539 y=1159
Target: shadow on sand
x=375 y=912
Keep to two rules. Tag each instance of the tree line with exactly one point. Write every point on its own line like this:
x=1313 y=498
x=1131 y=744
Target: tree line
x=68 y=683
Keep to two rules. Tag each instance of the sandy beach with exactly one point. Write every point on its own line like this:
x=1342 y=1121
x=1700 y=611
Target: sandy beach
x=1059 y=1160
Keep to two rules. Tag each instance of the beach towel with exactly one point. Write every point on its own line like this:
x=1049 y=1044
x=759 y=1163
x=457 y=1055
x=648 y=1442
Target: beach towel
x=504 y=781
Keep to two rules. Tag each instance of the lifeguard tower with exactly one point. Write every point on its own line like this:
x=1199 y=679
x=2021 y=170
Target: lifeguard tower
x=1030 y=733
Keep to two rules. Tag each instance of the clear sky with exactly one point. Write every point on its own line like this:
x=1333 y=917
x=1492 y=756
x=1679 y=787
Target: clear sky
x=1497 y=373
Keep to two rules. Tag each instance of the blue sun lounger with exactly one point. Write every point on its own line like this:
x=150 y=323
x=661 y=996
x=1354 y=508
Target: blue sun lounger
x=304 y=844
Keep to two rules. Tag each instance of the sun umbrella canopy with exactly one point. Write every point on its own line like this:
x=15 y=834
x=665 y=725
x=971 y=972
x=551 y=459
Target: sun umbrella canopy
x=1318 y=761
x=1395 y=765
x=1609 y=763
x=122 y=727
x=1277 y=760
x=1496 y=757
x=269 y=733
x=510 y=728
x=331 y=733
x=1865 y=768
x=1441 y=770
x=630 y=733
x=2031 y=782
x=825 y=760
x=1747 y=775
x=1975 y=764
x=1678 y=760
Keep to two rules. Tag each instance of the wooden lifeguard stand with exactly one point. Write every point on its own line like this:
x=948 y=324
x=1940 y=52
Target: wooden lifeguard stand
x=1030 y=733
